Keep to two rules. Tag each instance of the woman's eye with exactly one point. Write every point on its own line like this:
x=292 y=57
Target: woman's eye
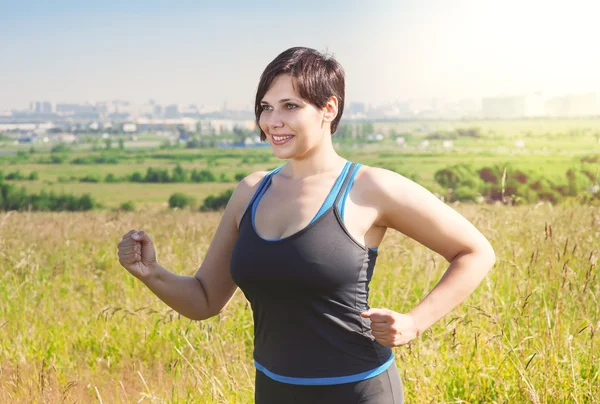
x=291 y=106
x=265 y=107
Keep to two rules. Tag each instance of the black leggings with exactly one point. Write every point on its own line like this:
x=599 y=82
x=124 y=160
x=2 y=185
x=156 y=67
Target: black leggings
x=385 y=388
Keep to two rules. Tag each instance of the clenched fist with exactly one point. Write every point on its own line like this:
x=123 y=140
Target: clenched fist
x=137 y=254
x=390 y=328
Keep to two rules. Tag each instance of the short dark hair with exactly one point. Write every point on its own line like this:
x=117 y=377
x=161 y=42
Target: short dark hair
x=318 y=76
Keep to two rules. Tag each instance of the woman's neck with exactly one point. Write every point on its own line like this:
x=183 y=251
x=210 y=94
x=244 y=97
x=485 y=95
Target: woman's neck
x=319 y=160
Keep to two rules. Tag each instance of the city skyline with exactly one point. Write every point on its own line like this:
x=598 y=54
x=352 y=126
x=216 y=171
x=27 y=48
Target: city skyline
x=208 y=54
x=503 y=106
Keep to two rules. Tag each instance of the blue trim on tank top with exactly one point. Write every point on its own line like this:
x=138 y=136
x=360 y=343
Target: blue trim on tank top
x=328 y=201
x=333 y=193
x=342 y=201
x=323 y=381
x=326 y=204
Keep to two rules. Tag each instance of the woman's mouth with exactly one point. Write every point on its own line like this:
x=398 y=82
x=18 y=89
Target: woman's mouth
x=281 y=139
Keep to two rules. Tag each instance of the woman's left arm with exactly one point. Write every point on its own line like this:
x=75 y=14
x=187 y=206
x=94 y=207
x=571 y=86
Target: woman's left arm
x=414 y=211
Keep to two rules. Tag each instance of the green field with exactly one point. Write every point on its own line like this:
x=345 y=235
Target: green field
x=557 y=146
x=75 y=327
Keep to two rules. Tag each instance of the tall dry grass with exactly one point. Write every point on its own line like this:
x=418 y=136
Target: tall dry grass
x=76 y=327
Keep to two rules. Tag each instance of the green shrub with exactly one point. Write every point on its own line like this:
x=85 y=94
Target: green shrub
x=159 y=175
x=179 y=174
x=224 y=178
x=464 y=193
x=16 y=176
x=136 y=177
x=60 y=148
x=102 y=159
x=240 y=176
x=13 y=198
x=90 y=178
x=111 y=178
x=577 y=182
x=57 y=159
x=456 y=176
x=181 y=200
x=218 y=202
x=202 y=176
x=128 y=206
x=33 y=176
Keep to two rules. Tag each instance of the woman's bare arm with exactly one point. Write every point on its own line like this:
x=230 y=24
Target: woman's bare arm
x=207 y=293
x=414 y=211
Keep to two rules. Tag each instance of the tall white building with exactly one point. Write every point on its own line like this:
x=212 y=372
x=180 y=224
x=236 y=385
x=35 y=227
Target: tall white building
x=573 y=105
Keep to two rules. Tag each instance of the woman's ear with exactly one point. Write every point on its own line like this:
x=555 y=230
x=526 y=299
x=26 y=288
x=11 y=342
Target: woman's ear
x=330 y=109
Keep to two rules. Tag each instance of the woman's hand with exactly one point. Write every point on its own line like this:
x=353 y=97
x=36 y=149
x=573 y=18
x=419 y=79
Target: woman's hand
x=137 y=254
x=390 y=328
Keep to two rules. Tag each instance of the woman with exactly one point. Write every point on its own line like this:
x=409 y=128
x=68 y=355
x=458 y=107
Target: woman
x=301 y=242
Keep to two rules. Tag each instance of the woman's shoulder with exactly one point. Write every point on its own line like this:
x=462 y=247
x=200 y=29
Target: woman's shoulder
x=376 y=179
x=387 y=189
x=244 y=191
x=247 y=186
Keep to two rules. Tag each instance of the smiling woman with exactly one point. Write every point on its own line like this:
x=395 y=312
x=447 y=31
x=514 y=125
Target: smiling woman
x=301 y=242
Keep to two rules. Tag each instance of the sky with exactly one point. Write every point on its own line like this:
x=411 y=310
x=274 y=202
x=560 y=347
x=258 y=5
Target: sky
x=209 y=53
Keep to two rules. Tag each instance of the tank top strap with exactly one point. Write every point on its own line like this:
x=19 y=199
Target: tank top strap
x=344 y=184
x=342 y=201
x=264 y=183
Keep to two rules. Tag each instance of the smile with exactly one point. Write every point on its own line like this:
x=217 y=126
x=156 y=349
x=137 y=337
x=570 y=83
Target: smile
x=281 y=139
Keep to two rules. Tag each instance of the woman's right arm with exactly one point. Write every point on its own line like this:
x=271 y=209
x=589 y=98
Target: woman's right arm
x=207 y=293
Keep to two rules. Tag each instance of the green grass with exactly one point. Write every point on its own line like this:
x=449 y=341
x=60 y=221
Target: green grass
x=76 y=327
x=142 y=194
x=418 y=165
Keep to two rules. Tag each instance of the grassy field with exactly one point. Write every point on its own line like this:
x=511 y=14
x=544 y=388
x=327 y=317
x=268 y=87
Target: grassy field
x=76 y=327
x=420 y=165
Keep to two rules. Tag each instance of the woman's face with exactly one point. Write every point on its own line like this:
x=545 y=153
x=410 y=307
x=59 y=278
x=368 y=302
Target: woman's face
x=293 y=126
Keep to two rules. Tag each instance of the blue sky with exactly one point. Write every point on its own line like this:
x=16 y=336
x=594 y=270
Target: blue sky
x=213 y=52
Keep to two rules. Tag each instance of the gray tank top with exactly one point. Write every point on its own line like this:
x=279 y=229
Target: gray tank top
x=307 y=292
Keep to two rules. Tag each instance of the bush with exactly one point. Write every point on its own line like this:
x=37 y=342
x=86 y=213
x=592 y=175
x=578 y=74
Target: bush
x=180 y=200
x=457 y=176
x=202 y=176
x=67 y=179
x=240 y=176
x=102 y=159
x=179 y=174
x=136 y=177
x=224 y=178
x=90 y=178
x=111 y=178
x=159 y=175
x=128 y=206
x=12 y=198
x=16 y=175
x=465 y=194
x=60 y=148
x=57 y=159
x=218 y=202
x=33 y=176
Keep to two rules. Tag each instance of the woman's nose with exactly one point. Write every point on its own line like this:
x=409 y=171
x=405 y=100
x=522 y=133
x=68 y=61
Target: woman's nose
x=274 y=120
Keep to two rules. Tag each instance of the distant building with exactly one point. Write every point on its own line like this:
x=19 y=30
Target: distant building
x=534 y=105
x=173 y=111
x=129 y=127
x=154 y=124
x=573 y=105
x=40 y=107
x=356 y=108
x=503 y=107
x=86 y=110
